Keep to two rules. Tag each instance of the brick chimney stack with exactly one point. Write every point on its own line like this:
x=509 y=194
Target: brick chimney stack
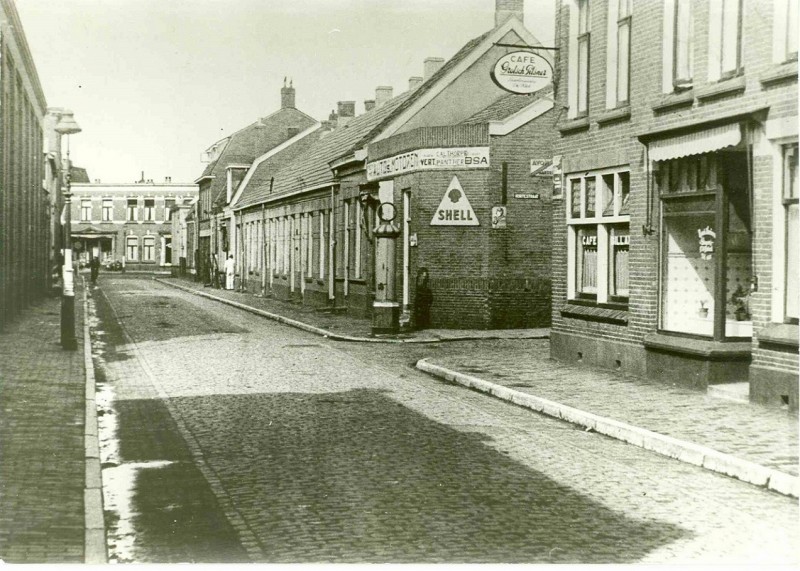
x=287 y=95
x=430 y=66
x=346 y=110
x=414 y=82
x=505 y=9
x=369 y=105
x=383 y=94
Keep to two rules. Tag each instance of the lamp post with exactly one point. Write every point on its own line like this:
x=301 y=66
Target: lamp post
x=67 y=126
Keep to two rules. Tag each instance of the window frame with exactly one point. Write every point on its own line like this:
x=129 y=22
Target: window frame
x=132 y=242
x=583 y=64
x=107 y=212
x=149 y=213
x=602 y=225
x=132 y=210
x=86 y=210
x=624 y=20
x=738 y=67
x=787 y=201
x=682 y=83
x=148 y=247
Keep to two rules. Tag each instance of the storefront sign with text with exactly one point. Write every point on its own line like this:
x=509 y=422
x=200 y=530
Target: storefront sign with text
x=430 y=159
x=522 y=72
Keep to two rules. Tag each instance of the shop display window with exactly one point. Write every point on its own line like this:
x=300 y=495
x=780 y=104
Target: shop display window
x=706 y=265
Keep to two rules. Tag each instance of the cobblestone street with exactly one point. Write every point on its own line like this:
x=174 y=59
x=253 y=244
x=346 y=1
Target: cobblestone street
x=226 y=438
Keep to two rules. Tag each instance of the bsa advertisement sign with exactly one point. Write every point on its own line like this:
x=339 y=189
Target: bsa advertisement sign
x=522 y=72
x=430 y=159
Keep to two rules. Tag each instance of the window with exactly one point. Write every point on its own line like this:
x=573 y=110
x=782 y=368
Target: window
x=309 y=244
x=724 y=39
x=133 y=210
x=357 y=247
x=169 y=203
x=149 y=210
x=599 y=237
x=683 y=45
x=108 y=210
x=583 y=56
x=322 y=245
x=623 y=51
x=86 y=210
x=149 y=249
x=784 y=31
x=132 y=248
x=790 y=205
x=792 y=19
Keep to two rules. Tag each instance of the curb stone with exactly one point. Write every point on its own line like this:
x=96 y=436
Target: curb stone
x=681 y=450
x=94 y=551
x=316 y=330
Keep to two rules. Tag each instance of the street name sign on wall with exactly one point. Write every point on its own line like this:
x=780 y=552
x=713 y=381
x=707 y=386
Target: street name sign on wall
x=430 y=159
x=454 y=209
x=522 y=72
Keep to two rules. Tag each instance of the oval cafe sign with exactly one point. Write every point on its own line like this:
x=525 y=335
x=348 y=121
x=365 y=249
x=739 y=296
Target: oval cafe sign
x=522 y=72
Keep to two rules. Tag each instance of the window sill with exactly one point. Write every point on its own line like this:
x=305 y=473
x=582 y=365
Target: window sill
x=732 y=86
x=779 y=73
x=704 y=348
x=613 y=115
x=673 y=100
x=574 y=125
x=593 y=312
x=783 y=334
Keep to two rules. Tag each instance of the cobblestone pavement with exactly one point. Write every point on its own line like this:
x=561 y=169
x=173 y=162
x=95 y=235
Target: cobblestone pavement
x=760 y=434
x=293 y=448
x=42 y=467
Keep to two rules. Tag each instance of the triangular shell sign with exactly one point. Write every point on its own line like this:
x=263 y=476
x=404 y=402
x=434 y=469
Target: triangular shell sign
x=454 y=209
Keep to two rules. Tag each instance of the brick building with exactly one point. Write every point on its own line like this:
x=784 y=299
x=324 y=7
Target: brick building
x=127 y=223
x=26 y=204
x=228 y=160
x=675 y=241
x=306 y=217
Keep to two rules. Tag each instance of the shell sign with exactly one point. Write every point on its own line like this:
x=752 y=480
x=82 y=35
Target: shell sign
x=522 y=72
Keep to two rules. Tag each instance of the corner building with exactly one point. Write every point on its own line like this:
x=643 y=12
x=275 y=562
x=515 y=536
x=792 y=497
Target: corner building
x=675 y=240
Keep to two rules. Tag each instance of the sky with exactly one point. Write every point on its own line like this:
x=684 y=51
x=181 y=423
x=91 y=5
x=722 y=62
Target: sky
x=153 y=83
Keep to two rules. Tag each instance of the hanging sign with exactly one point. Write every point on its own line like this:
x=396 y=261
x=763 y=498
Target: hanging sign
x=706 y=236
x=522 y=72
x=454 y=209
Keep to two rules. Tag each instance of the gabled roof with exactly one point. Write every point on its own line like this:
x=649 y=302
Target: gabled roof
x=508 y=105
x=245 y=145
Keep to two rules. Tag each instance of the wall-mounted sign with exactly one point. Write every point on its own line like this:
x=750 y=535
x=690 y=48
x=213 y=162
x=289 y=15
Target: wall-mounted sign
x=499 y=216
x=522 y=72
x=454 y=209
x=526 y=196
x=707 y=237
x=430 y=159
x=557 y=176
x=542 y=167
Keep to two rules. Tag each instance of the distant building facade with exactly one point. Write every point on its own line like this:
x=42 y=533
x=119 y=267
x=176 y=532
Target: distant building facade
x=127 y=223
x=26 y=204
x=676 y=239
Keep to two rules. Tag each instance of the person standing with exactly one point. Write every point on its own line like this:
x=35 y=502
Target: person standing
x=230 y=272
x=94 y=268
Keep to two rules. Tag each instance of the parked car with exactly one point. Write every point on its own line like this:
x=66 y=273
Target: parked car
x=112 y=265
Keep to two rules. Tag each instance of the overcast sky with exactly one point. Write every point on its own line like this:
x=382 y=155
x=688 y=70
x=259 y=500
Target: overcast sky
x=153 y=83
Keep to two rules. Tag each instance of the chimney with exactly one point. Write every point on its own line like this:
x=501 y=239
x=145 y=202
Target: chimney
x=414 y=82
x=287 y=95
x=383 y=93
x=431 y=65
x=168 y=179
x=142 y=179
x=293 y=131
x=346 y=111
x=369 y=105
x=505 y=9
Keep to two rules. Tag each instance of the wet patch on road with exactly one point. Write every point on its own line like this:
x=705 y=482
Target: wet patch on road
x=357 y=477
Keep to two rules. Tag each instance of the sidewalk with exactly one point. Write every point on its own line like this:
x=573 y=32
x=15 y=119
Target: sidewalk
x=340 y=327
x=44 y=497
x=751 y=442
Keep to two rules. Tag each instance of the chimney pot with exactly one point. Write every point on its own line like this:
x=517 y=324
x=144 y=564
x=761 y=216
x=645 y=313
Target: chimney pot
x=383 y=93
x=431 y=65
x=505 y=9
x=287 y=95
x=414 y=82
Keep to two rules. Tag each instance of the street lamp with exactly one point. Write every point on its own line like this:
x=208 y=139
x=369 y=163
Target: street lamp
x=67 y=126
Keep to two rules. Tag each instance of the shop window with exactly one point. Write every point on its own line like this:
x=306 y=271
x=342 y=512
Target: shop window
x=108 y=210
x=683 y=45
x=86 y=210
x=706 y=235
x=149 y=210
x=132 y=248
x=133 y=210
x=790 y=205
x=599 y=237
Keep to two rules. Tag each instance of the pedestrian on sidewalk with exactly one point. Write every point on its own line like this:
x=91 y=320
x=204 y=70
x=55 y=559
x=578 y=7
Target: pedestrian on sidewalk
x=230 y=272
x=423 y=300
x=94 y=269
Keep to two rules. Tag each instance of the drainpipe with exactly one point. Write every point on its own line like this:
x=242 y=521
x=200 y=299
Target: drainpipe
x=332 y=250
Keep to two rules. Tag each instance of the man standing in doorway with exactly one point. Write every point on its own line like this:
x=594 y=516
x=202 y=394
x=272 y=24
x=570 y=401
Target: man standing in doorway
x=230 y=271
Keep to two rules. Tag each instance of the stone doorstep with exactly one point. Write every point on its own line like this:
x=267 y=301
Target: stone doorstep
x=738 y=392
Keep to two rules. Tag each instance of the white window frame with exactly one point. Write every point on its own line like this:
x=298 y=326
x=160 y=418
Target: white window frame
x=604 y=226
x=149 y=211
x=309 y=244
x=86 y=210
x=678 y=19
x=784 y=36
x=107 y=212
x=724 y=39
x=132 y=247
x=578 y=34
x=618 y=61
x=322 y=244
x=149 y=242
x=168 y=209
x=357 y=240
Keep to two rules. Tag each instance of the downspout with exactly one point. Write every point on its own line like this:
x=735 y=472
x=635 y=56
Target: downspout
x=332 y=250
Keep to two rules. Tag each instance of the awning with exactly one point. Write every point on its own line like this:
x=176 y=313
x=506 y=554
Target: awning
x=697 y=143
